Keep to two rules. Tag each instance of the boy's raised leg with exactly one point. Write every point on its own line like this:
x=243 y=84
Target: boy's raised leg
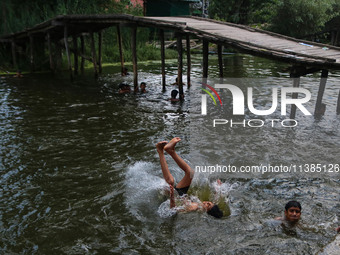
x=189 y=173
x=165 y=170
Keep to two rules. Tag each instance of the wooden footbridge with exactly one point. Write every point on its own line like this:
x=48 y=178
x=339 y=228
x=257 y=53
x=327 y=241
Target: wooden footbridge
x=305 y=57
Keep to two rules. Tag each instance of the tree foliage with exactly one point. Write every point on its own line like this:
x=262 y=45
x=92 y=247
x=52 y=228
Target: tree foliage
x=302 y=17
x=17 y=15
x=242 y=11
x=290 y=17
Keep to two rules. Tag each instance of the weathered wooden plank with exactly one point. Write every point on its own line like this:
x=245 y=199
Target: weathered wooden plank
x=283 y=56
x=319 y=108
x=134 y=57
x=94 y=57
x=188 y=60
x=161 y=34
x=180 y=66
x=14 y=55
x=75 y=54
x=220 y=60
x=205 y=58
x=100 y=44
x=215 y=37
x=68 y=51
x=49 y=45
x=119 y=39
x=263 y=32
x=296 y=84
x=32 y=53
x=82 y=51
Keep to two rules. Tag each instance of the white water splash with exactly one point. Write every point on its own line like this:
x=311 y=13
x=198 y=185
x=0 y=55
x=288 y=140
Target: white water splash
x=144 y=189
x=164 y=210
x=224 y=188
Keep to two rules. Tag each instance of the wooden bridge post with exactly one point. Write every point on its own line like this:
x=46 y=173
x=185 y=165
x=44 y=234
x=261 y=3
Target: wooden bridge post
x=205 y=58
x=14 y=55
x=296 y=83
x=58 y=55
x=75 y=54
x=338 y=105
x=49 y=45
x=134 y=57
x=188 y=60
x=32 y=53
x=68 y=51
x=180 y=66
x=161 y=35
x=100 y=44
x=82 y=51
x=119 y=38
x=220 y=59
x=94 y=57
x=319 y=107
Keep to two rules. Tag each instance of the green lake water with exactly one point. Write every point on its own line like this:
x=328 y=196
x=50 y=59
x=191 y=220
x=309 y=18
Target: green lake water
x=79 y=173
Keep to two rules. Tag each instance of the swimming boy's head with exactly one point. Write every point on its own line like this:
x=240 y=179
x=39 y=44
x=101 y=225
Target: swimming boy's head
x=143 y=86
x=174 y=93
x=212 y=209
x=124 y=87
x=293 y=211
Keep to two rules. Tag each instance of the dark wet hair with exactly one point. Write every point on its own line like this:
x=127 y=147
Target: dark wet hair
x=123 y=84
x=292 y=203
x=143 y=83
x=174 y=93
x=215 y=212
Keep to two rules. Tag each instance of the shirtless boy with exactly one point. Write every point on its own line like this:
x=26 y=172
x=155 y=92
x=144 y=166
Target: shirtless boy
x=183 y=186
x=292 y=213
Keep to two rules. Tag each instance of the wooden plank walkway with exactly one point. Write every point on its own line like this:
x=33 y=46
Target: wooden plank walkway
x=253 y=41
x=261 y=42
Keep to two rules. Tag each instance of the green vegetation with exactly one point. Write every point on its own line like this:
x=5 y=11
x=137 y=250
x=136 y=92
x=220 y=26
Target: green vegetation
x=16 y=15
x=303 y=17
x=242 y=12
x=296 y=18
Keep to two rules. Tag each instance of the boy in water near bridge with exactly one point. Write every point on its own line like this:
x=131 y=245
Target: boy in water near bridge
x=173 y=98
x=143 y=87
x=183 y=186
x=292 y=213
x=124 y=88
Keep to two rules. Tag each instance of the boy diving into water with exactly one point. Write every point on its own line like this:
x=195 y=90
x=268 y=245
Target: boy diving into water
x=183 y=186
